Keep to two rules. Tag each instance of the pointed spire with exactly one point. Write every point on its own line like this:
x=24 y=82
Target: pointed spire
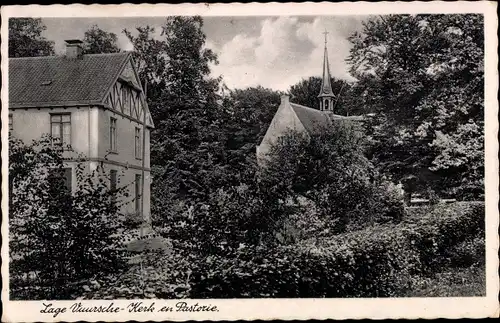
x=326 y=95
x=326 y=86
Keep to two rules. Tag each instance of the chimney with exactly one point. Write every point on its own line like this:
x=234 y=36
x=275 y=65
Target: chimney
x=74 y=48
x=285 y=99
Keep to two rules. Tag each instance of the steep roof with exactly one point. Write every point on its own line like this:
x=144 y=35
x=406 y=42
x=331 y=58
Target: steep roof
x=313 y=120
x=58 y=80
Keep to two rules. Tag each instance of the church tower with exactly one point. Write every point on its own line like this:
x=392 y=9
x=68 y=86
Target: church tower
x=326 y=95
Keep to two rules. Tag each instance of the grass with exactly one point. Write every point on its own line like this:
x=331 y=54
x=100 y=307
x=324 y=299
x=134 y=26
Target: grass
x=453 y=282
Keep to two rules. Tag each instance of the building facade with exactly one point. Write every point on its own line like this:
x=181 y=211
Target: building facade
x=95 y=104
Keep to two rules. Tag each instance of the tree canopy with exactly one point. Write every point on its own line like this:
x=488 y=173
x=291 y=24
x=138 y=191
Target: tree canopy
x=98 y=41
x=187 y=146
x=423 y=76
x=26 y=40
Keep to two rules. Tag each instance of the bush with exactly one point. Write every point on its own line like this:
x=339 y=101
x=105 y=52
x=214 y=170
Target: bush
x=470 y=252
x=330 y=170
x=380 y=261
x=435 y=234
x=57 y=239
x=362 y=264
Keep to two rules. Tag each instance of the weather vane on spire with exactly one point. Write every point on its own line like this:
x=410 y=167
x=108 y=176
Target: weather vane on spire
x=325 y=33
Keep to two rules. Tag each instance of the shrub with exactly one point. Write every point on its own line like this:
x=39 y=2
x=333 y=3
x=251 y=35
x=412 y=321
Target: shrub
x=470 y=252
x=330 y=170
x=361 y=264
x=380 y=261
x=57 y=239
x=445 y=226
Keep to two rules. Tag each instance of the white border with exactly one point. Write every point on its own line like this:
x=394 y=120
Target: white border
x=249 y=309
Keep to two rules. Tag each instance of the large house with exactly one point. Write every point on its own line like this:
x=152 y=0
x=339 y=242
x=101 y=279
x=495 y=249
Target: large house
x=93 y=103
x=306 y=120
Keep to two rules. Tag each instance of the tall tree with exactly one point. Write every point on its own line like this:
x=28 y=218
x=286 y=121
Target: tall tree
x=98 y=41
x=187 y=145
x=150 y=57
x=423 y=76
x=188 y=70
x=26 y=40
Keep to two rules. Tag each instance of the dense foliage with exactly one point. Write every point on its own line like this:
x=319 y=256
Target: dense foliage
x=57 y=239
x=390 y=260
x=330 y=169
x=379 y=261
x=423 y=76
x=98 y=41
x=26 y=40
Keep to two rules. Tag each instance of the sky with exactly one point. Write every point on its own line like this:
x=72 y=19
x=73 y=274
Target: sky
x=274 y=52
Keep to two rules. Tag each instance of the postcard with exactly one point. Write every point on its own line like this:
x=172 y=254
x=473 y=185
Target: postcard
x=249 y=161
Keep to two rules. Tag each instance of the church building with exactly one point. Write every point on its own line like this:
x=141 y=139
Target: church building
x=296 y=117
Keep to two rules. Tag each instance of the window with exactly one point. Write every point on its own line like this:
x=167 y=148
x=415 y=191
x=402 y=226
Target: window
x=125 y=99
x=138 y=150
x=11 y=123
x=113 y=179
x=60 y=125
x=138 y=193
x=112 y=135
x=61 y=178
x=124 y=95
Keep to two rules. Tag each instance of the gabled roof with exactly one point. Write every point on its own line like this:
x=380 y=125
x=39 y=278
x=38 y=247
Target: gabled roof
x=313 y=120
x=58 y=80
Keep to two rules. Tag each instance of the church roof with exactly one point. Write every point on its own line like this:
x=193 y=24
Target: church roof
x=57 y=80
x=313 y=120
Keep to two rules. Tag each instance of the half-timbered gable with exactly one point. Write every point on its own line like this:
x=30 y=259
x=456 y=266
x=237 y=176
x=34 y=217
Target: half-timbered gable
x=126 y=95
x=94 y=104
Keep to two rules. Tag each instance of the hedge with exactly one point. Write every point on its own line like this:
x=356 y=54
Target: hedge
x=376 y=262
x=442 y=235
x=382 y=261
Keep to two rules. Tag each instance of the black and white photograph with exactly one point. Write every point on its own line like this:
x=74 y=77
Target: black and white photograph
x=159 y=159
